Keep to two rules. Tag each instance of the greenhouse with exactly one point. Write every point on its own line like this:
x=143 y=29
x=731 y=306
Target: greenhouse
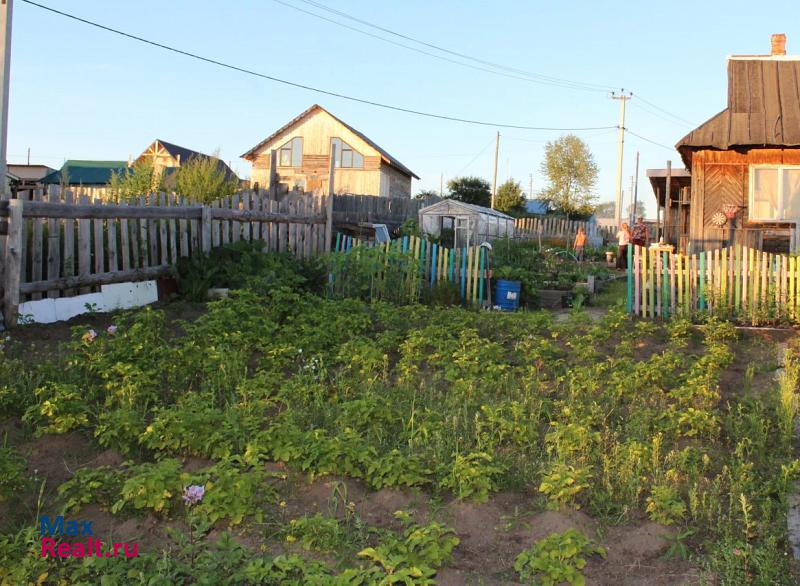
x=460 y=224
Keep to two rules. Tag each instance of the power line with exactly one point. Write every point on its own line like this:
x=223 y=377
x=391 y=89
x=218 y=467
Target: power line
x=428 y=53
x=575 y=84
x=648 y=110
x=300 y=85
x=639 y=136
x=667 y=112
x=475 y=158
x=539 y=78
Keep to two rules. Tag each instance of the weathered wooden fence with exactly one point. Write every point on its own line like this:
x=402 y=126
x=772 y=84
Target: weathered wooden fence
x=546 y=227
x=353 y=209
x=59 y=247
x=432 y=264
x=738 y=281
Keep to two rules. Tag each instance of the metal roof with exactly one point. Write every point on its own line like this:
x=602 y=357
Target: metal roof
x=763 y=108
x=249 y=155
x=184 y=154
x=85 y=172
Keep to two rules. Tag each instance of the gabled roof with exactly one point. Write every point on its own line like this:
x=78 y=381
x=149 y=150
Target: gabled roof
x=763 y=108
x=449 y=203
x=85 y=172
x=251 y=154
x=183 y=154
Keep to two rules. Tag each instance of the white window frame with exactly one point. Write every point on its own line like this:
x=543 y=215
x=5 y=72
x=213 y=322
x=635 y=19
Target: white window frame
x=752 y=193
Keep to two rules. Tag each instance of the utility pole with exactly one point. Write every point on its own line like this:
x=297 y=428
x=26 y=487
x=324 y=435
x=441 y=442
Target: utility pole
x=632 y=211
x=622 y=97
x=636 y=184
x=441 y=185
x=6 y=10
x=530 y=185
x=494 y=180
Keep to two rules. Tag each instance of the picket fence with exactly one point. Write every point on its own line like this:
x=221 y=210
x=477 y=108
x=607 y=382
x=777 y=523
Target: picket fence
x=60 y=247
x=737 y=281
x=546 y=227
x=467 y=267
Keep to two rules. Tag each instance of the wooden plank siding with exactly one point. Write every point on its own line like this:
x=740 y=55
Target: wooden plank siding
x=723 y=177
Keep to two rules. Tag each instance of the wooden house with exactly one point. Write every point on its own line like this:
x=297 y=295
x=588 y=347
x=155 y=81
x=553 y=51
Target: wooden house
x=745 y=161
x=166 y=157
x=303 y=149
x=28 y=176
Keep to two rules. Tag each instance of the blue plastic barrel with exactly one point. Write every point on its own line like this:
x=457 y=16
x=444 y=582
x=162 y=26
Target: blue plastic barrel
x=507 y=294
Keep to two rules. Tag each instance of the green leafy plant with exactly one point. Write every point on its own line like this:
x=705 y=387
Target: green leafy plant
x=563 y=483
x=152 y=486
x=472 y=476
x=414 y=557
x=665 y=506
x=90 y=485
x=558 y=558
x=12 y=473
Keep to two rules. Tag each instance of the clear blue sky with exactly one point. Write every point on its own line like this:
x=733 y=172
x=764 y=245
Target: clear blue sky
x=81 y=93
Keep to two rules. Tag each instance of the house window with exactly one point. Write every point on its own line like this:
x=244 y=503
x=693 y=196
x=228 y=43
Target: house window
x=774 y=193
x=291 y=154
x=346 y=156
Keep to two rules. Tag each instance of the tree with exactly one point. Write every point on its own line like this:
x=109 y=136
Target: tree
x=509 y=197
x=426 y=194
x=605 y=209
x=204 y=179
x=470 y=190
x=572 y=174
x=639 y=212
x=140 y=179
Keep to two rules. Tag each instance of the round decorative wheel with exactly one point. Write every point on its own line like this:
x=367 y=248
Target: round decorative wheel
x=719 y=219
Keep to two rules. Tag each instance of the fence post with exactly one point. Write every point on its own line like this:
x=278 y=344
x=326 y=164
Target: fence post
x=273 y=175
x=630 y=278
x=13 y=262
x=329 y=201
x=205 y=229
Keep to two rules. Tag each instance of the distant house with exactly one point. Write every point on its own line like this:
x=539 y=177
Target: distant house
x=85 y=173
x=28 y=176
x=535 y=206
x=744 y=162
x=303 y=149
x=167 y=157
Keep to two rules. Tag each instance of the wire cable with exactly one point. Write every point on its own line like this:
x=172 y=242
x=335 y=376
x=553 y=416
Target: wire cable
x=428 y=53
x=529 y=76
x=667 y=112
x=584 y=85
x=300 y=85
x=639 y=136
x=475 y=158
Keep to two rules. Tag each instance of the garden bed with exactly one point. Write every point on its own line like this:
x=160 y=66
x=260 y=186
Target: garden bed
x=663 y=451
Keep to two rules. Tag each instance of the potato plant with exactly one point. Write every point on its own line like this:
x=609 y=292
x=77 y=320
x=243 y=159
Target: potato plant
x=624 y=420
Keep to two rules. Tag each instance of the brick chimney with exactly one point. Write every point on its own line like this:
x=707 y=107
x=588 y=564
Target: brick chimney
x=779 y=44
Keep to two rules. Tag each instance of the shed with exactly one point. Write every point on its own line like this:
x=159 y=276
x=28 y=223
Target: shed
x=469 y=224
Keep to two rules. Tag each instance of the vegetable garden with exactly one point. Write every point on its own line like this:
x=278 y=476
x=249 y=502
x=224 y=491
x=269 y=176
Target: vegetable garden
x=284 y=437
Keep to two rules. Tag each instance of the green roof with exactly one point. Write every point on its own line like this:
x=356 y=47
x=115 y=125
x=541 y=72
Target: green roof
x=85 y=172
